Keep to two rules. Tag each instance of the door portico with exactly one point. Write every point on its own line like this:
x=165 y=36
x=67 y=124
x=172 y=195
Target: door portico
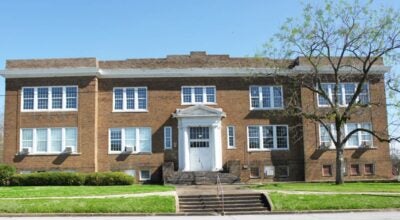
x=199 y=138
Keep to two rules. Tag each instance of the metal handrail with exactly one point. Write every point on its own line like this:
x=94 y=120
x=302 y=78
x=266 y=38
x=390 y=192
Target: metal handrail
x=220 y=194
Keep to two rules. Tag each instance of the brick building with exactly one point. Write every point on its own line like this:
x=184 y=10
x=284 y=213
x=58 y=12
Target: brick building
x=195 y=112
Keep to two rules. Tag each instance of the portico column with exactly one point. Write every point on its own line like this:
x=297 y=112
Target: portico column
x=216 y=129
x=186 y=149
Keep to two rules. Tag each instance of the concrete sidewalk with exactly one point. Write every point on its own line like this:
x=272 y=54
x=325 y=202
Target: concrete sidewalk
x=211 y=189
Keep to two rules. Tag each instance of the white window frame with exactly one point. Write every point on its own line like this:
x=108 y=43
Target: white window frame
x=261 y=140
x=168 y=139
x=233 y=135
x=141 y=178
x=343 y=97
x=192 y=93
x=49 y=152
x=260 y=97
x=137 y=141
x=359 y=134
x=50 y=99
x=136 y=99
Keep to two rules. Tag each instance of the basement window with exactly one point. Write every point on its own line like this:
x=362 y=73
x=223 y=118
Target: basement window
x=269 y=171
x=144 y=175
x=326 y=170
x=254 y=172
x=282 y=171
x=369 y=169
x=354 y=170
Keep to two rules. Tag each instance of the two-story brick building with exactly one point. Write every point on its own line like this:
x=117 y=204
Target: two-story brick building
x=200 y=112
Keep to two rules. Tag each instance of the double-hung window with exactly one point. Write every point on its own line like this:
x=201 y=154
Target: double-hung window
x=191 y=95
x=130 y=99
x=48 y=140
x=358 y=139
x=52 y=98
x=131 y=140
x=168 y=137
x=231 y=137
x=345 y=92
x=266 y=97
x=268 y=137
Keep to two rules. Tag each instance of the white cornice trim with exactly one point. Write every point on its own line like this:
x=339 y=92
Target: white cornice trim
x=170 y=72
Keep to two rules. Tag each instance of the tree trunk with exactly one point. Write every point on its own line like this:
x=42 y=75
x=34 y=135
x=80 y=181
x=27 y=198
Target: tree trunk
x=339 y=166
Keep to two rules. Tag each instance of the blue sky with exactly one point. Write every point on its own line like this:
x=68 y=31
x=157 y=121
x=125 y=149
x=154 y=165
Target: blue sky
x=121 y=29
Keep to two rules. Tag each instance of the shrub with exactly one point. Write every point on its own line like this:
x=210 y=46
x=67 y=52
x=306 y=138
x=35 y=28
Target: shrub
x=71 y=179
x=108 y=179
x=6 y=172
x=48 y=179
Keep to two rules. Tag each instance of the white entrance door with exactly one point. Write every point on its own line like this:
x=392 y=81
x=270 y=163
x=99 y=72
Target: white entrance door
x=201 y=153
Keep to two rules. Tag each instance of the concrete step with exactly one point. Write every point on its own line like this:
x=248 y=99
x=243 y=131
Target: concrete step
x=226 y=209
x=214 y=206
x=226 y=202
x=201 y=178
x=210 y=199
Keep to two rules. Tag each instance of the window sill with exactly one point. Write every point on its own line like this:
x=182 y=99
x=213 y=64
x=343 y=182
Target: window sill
x=231 y=148
x=351 y=148
x=200 y=103
x=132 y=153
x=130 y=111
x=266 y=150
x=266 y=109
x=48 y=154
x=46 y=110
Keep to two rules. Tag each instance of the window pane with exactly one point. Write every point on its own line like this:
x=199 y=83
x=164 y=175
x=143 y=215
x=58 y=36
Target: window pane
x=349 y=91
x=116 y=138
x=254 y=137
x=231 y=136
x=266 y=97
x=130 y=98
x=268 y=137
x=210 y=92
x=281 y=137
x=71 y=138
x=364 y=97
x=187 y=96
x=43 y=98
x=28 y=98
x=324 y=135
x=145 y=139
x=118 y=99
x=277 y=97
x=41 y=140
x=255 y=101
x=167 y=137
x=72 y=93
x=353 y=140
x=56 y=139
x=27 y=138
x=56 y=93
x=322 y=100
x=198 y=94
x=142 y=98
x=130 y=138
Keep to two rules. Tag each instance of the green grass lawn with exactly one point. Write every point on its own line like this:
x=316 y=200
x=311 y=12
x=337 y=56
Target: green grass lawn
x=58 y=191
x=149 y=204
x=331 y=187
x=295 y=202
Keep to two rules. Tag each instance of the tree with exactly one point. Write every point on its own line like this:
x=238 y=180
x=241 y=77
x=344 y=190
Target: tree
x=348 y=39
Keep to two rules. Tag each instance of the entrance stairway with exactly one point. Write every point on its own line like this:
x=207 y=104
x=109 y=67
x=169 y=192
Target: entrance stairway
x=200 y=178
x=237 y=203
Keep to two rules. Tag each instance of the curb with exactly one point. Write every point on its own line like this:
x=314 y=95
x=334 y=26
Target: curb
x=195 y=214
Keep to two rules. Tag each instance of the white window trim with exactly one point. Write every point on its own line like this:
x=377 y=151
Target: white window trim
x=137 y=141
x=233 y=135
x=359 y=134
x=165 y=138
x=141 y=177
x=136 y=98
x=193 y=102
x=271 y=89
x=262 y=141
x=50 y=100
x=330 y=94
x=34 y=144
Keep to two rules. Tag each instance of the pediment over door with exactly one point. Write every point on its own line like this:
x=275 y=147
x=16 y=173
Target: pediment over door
x=199 y=111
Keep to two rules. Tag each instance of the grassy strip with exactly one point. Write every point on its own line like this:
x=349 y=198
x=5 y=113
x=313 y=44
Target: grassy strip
x=331 y=187
x=295 y=202
x=65 y=191
x=149 y=204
